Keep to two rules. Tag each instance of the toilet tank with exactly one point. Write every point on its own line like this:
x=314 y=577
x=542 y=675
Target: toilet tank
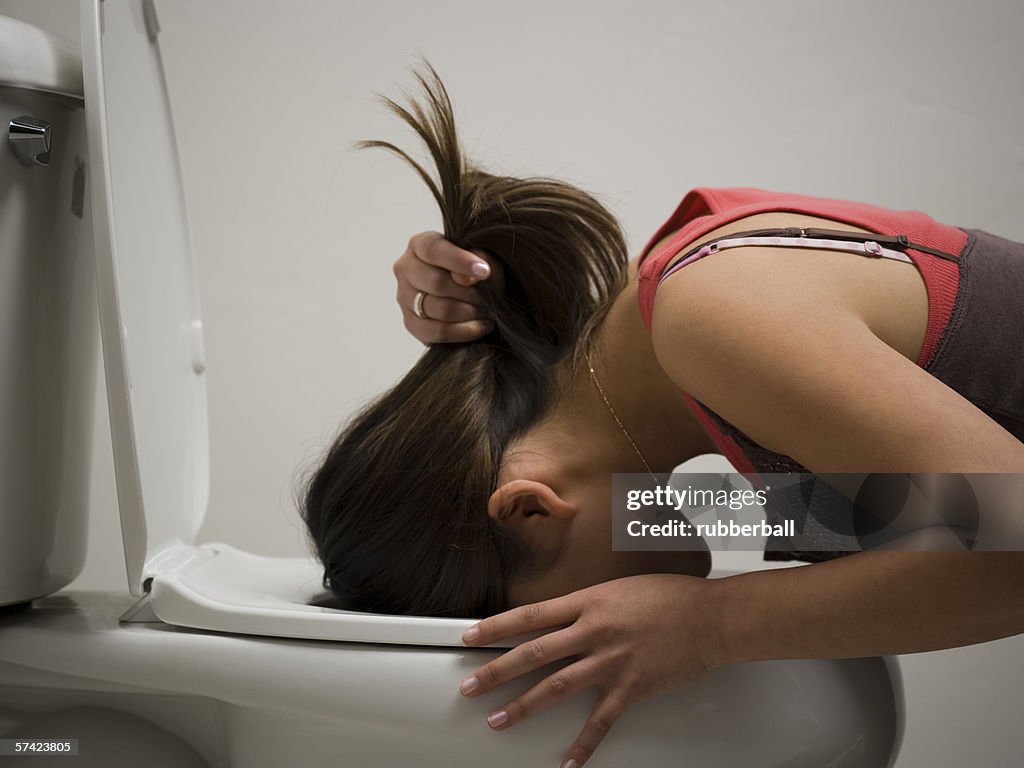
x=49 y=340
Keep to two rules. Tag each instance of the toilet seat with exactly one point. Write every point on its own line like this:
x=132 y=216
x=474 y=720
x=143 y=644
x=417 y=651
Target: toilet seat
x=219 y=587
x=154 y=362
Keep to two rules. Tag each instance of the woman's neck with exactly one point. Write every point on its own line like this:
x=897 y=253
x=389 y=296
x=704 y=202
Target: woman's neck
x=651 y=408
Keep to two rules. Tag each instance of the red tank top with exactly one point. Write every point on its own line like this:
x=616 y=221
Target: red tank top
x=703 y=210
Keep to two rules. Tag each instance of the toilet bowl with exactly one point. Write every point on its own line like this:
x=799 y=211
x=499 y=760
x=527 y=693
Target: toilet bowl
x=215 y=656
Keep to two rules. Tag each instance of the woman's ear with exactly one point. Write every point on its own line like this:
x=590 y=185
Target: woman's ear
x=520 y=499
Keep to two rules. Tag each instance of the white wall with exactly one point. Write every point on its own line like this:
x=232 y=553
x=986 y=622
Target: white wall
x=912 y=104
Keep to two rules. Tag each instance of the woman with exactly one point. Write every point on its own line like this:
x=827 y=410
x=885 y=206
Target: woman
x=482 y=481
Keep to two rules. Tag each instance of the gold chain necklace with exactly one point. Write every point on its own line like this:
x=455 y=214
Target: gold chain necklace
x=618 y=421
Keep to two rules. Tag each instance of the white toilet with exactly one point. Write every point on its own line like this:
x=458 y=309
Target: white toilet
x=216 y=658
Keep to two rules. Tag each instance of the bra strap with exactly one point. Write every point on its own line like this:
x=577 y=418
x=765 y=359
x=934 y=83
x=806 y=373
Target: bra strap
x=870 y=243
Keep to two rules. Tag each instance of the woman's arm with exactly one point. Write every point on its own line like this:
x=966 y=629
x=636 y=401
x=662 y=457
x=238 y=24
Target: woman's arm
x=870 y=604
x=794 y=366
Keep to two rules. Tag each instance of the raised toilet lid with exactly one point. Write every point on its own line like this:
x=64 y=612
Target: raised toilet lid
x=154 y=362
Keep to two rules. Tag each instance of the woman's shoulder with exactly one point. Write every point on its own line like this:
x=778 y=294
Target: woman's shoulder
x=889 y=296
x=753 y=270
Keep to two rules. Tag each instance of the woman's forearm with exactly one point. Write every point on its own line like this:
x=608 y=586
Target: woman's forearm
x=871 y=604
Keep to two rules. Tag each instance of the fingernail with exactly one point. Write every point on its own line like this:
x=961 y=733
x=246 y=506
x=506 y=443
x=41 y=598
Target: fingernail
x=488 y=327
x=497 y=718
x=469 y=685
x=480 y=269
x=470 y=635
x=570 y=763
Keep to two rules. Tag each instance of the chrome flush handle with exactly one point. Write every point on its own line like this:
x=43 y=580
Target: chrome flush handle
x=30 y=140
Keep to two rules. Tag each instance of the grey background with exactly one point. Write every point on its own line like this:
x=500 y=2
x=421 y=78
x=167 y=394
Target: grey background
x=911 y=105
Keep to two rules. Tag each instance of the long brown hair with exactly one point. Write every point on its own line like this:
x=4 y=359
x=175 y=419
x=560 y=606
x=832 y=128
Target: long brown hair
x=397 y=511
